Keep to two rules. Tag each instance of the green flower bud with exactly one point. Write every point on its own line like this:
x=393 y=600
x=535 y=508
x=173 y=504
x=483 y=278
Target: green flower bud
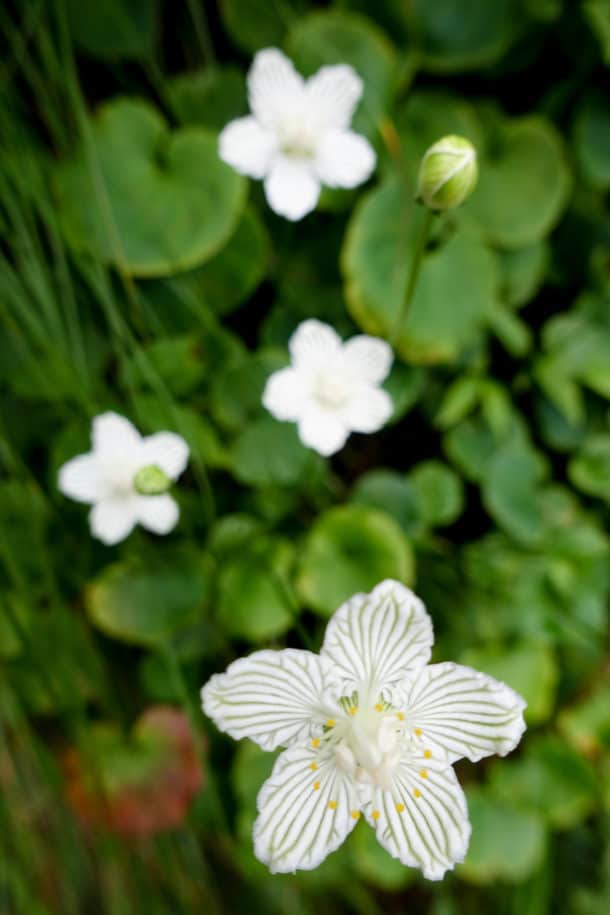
x=151 y=481
x=448 y=173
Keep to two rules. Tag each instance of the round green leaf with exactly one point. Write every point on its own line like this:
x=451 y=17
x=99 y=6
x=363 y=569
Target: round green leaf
x=149 y=600
x=530 y=669
x=456 y=288
x=254 y=600
x=523 y=183
x=256 y=24
x=208 y=98
x=523 y=271
x=439 y=493
x=506 y=843
x=589 y=470
x=457 y=35
x=147 y=200
x=350 y=549
x=552 y=779
x=335 y=37
x=270 y=453
x=390 y=492
x=511 y=494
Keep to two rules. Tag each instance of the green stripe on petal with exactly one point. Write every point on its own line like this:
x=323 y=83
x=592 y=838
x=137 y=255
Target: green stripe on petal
x=272 y=697
x=465 y=712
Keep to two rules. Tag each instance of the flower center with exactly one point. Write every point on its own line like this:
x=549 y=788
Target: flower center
x=369 y=749
x=296 y=140
x=331 y=389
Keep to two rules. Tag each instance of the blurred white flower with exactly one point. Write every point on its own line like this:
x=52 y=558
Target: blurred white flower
x=331 y=388
x=369 y=728
x=297 y=137
x=124 y=477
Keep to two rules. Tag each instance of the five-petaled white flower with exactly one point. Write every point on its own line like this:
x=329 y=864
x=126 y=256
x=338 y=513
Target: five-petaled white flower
x=369 y=728
x=125 y=478
x=331 y=388
x=297 y=137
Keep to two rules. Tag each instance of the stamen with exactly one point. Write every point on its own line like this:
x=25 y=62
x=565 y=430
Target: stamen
x=353 y=710
x=379 y=707
x=375 y=814
x=316 y=786
x=315 y=742
x=332 y=805
x=423 y=773
x=400 y=716
x=355 y=814
x=416 y=792
x=330 y=723
x=427 y=754
x=418 y=732
x=313 y=766
x=400 y=808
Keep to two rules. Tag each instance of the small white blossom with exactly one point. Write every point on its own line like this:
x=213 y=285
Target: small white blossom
x=370 y=728
x=105 y=477
x=297 y=137
x=331 y=388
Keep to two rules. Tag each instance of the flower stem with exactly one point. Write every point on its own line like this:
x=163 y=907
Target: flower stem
x=416 y=264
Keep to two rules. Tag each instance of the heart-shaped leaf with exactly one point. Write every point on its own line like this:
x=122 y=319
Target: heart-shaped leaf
x=149 y=201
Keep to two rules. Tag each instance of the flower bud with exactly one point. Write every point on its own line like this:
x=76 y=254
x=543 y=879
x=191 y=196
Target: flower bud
x=448 y=173
x=151 y=481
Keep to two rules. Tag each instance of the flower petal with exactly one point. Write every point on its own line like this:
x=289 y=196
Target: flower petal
x=286 y=394
x=247 y=147
x=344 y=159
x=368 y=410
x=114 y=434
x=307 y=807
x=158 y=514
x=113 y=519
x=272 y=697
x=314 y=344
x=323 y=430
x=291 y=189
x=463 y=711
x=82 y=479
x=374 y=639
x=369 y=359
x=422 y=821
x=168 y=451
x=332 y=95
x=274 y=87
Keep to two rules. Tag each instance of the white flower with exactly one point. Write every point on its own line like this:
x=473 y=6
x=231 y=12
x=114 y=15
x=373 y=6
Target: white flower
x=369 y=728
x=105 y=477
x=331 y=388
x=297 y=137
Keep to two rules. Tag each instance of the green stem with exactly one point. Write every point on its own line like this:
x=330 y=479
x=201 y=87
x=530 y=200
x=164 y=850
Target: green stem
x=416 y=264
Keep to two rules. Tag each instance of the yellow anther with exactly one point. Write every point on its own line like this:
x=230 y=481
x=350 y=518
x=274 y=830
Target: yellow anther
x=416 y=792
x=315 y=742
x=427 y=754
x=400 y=716
x=423 y=773
x=313 y=766
x=330 y=723
x=355 y=814
x=332 y=805
x=418 y=732
x=316 y=786
x=379 y=707
x=353 y=709
x=375 y=814
x=400 y=808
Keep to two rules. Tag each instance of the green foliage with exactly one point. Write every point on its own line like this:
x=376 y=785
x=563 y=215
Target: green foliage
x=147 y=180
x=140 y=273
